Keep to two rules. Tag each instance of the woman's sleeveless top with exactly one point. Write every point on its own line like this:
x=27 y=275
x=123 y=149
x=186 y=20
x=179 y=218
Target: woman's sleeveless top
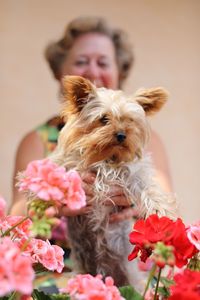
x=49 y=132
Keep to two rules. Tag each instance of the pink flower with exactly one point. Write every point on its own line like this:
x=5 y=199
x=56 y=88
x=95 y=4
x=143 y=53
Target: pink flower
x=60 y=232
x=149 y=295
x=50 y=256
x=22 y=230
x=45 y=179
x=2 y=207
x=88 y=287
x=75 y=196
x=48 y=181
x=145 y=266
x=59 y=253
x=193 y=233
x=16 y=273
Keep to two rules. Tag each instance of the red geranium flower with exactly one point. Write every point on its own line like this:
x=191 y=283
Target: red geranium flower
x=146 y=233
x=183 y=248
x=187 y=286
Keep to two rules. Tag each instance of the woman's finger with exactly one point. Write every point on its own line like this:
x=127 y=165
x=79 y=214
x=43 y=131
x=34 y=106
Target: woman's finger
x=67 y=212
x=125 y=214
x=88 y=177
x=119 y=200
x=115 y=190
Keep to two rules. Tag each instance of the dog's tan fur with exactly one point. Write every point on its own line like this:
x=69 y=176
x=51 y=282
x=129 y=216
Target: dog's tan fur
x=106 y=132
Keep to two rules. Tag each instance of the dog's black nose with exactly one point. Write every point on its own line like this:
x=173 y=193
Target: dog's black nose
x=121 y=136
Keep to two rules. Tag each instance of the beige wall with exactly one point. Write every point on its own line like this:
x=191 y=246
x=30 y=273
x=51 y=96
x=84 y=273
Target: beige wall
x=166 y=38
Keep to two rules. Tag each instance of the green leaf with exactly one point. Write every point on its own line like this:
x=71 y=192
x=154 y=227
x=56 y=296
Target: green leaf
x=60 y=297
x=164 y=292
x=129 y=293
x=38 y=295
x=166 y=282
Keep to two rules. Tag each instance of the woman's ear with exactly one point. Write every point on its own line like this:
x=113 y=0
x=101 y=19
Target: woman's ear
x=77 y=91
x=152 y=99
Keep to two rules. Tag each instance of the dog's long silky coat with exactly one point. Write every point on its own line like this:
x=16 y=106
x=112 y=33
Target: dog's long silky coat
x=106 y=132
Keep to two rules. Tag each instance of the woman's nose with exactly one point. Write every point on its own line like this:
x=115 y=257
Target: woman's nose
x=92 y=72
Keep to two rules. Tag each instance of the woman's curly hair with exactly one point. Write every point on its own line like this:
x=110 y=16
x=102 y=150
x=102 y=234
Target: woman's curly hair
x=56 y=52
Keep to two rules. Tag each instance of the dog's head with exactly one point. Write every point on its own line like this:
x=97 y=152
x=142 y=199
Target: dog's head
x=106 y=125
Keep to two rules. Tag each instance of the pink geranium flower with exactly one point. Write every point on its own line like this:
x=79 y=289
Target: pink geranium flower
x=48 y=181
x=2 y=207
x=193 y=233
x=22 y=230
x=88 y=287
x=16 y=272
x=75 y=195
x=50 y=256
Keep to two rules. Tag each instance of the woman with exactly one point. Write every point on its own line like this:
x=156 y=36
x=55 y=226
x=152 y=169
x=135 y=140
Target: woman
x=92 y=49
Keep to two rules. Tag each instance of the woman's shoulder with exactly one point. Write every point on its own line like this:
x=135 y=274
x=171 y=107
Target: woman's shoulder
x=35 y=144
x=30 y=147
x=160 y=160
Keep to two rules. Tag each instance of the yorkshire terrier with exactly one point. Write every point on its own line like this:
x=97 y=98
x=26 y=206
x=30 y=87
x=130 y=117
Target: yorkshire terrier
x=106 y=132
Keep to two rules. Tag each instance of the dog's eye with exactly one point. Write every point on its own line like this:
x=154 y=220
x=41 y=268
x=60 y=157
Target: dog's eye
x=104 y=120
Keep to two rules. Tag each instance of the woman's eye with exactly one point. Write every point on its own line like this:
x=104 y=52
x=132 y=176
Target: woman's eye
x=104 y=120
x=103 y=64
x=80 y=62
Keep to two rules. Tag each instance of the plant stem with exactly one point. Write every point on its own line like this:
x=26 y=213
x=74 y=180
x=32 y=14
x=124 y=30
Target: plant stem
x=14 y=226
x=151 y=274
x=13 y=296
x=157 y=284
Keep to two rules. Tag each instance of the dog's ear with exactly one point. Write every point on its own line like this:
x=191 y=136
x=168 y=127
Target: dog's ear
x=77 y=91
x=152 y=99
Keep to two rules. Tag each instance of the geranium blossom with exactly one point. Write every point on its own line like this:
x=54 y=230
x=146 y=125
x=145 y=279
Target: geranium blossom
x=75 y=195
x=154 y=229
x=48 y=181
x=193 y=233
x=16 y=272
x=88 y=287
x=50 y=256
x=183 y=248
x=2 y=207
x=187 y=286
x=19 y=231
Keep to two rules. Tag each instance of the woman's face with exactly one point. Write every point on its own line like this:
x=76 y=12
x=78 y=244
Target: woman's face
x=93 y=57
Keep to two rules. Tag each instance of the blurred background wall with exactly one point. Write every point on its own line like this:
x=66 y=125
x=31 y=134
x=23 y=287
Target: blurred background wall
x=166 y=40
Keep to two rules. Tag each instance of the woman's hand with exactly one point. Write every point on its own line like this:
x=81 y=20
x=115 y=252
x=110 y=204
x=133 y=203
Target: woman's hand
x=115 y=196
x=124 y=214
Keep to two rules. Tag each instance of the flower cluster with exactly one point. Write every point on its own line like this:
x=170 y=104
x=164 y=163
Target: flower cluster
x=20 y=252
x=48 y=188
x=50 y=182
x=193 y=233
x=16 y=272
x=160 y=241
x=172 y=235
x=88 y=287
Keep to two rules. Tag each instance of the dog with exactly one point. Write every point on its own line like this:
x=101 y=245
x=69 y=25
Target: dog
x=106 y=133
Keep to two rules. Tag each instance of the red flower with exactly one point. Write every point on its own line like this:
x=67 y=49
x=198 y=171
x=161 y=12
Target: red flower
x=183 y=248
x=159 y=229
x=187 y=286
x=146 y=233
